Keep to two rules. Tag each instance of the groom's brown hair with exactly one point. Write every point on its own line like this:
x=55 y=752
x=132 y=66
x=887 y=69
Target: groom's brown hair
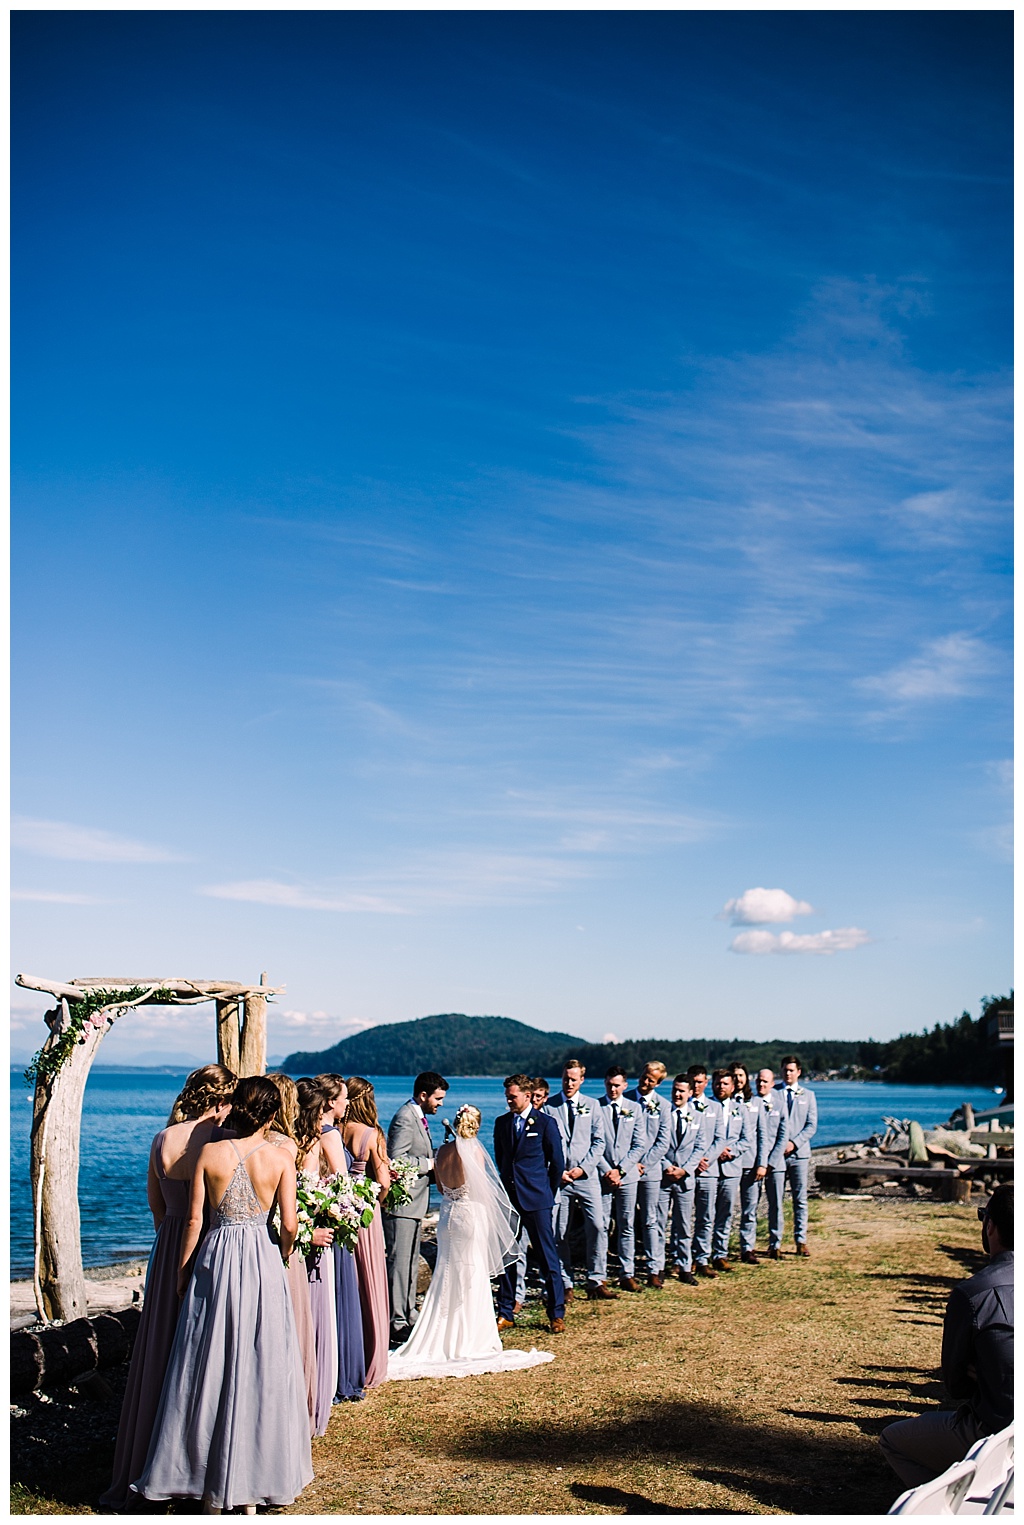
x=522 y=1081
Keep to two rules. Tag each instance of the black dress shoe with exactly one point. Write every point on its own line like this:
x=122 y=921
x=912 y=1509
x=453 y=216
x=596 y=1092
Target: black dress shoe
x=774 y=1254
x=688 y=1278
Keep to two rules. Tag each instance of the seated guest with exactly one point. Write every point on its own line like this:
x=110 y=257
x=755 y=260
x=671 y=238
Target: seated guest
x=678 y=1178
x=977 y=1361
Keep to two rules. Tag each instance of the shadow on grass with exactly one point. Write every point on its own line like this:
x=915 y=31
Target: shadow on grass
x=839 y=1474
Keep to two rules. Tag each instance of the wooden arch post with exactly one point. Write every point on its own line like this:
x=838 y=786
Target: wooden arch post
x=62 y=1069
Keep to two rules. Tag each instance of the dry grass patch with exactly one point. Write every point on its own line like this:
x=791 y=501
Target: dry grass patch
x=761 y=1392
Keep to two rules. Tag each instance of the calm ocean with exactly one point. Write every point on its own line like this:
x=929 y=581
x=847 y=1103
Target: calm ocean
x=123 y=1109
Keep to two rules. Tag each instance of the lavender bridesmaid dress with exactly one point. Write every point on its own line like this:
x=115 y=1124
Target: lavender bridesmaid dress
x=371 y=1266
x=153 y=1341
x=351 y=1361
x=320 y=1271
x=232 y=1426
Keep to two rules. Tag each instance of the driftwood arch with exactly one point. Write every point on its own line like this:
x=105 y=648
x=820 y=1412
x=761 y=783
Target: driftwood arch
x=85 y=1012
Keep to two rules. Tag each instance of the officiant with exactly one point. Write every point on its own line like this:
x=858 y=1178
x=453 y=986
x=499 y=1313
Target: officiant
x=409 y=1134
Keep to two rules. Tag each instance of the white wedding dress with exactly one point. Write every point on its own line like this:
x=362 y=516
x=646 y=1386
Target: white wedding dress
x=456 y=1334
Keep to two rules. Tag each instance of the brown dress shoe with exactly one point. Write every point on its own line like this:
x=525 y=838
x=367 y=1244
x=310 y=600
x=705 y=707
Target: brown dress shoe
x=802 y=1249
x=600 y=1291
x=655 y=1280
x=569 y=1294
x=720 y=1264
x=518 y=1308
x=629 y=1284
x=506 y=1323
x=774 y=1254
x=749 y=1258
x=703 y=1269
x=558 y=1326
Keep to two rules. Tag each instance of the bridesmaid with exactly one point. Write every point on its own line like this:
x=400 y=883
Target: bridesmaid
x=232 y=1428
x=312 y=1162
x=365 y=1141
x=282 y=1133
x=351 y=1361
x=202 y=1104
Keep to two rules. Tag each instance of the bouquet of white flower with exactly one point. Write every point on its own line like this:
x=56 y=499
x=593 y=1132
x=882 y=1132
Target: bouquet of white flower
x=342 y=1203
x=405 y=1173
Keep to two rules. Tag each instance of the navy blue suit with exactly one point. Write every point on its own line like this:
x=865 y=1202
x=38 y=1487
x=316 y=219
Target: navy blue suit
x=530 y=1163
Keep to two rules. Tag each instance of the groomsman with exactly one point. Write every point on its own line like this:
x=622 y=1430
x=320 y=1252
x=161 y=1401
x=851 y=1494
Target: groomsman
x=706 y=1171
x=801 y=1112
x=653 y=1116
x=580 y=1129
x=678 y=1177
x=735 y=1139
x=771 y=1141
x=528 y=1154
x=409 y=1134
x=625 y=1142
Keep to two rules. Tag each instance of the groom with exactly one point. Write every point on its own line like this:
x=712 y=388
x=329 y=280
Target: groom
x=409 y=1134
x=529 y=1157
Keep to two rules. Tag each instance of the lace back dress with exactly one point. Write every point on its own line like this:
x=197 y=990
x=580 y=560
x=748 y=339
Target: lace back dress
x=232 y=1426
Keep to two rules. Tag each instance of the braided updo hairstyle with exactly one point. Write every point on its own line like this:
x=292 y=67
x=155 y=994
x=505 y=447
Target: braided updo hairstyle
x=205 y=1088
x=254 y=1102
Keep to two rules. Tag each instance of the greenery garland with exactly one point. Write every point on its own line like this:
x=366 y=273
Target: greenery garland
x=49 y=1060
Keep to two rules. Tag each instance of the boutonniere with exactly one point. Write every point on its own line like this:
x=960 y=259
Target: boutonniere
x=701 y=1105
x=651 y=1103
x=625 y=1112
x=798 y=1090
x=582 y=1111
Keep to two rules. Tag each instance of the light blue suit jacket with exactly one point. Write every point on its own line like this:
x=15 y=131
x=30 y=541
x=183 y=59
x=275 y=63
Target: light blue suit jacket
x=687 y=1152
x=771 y=1132
x=656 y=1129
x=801 y=1119
x=737 y=1133
x=584 y=1147
x=710 y=1114
x=623 y=1150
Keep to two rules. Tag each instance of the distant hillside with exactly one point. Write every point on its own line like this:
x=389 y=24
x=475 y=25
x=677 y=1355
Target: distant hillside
x=456 y=1044
x=452 y=1043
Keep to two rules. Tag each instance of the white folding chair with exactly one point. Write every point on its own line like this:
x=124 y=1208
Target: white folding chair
x=1001 y=1501
x=941 y=1496
x=993 y=1463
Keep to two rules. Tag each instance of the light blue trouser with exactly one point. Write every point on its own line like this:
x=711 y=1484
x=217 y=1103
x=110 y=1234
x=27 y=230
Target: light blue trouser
x=595 y=1231
x=677 y=1198
x=624 y=1198
x=725 y=1210
x=652 y=1231
x=795 y=1171
x=750 y=1196
x=705 y=1191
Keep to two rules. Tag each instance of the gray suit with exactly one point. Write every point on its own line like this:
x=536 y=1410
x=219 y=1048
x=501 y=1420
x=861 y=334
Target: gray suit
x=582 y=1135
x=769 y=1139
x=706 y=1187
x=624 y=1147
x=736 y=1132
x=407 y=1135
x=800 y=1109
x=656 y=1124
x=677 y=1197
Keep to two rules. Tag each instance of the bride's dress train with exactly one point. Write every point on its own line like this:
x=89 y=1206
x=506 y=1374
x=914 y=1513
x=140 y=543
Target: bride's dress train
x=456 y=1334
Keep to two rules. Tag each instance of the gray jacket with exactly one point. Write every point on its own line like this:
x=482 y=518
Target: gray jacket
x=655 y=1124
x=583 y=1144
x=408 y=1136
x=684 y=1151
x=736 y=1132
x=801 y=1118
x=625 y=1146
x=771 y=1132
x=977 y=1344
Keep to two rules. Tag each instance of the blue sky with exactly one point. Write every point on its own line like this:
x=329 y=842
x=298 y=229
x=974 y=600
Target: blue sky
x=493 y=491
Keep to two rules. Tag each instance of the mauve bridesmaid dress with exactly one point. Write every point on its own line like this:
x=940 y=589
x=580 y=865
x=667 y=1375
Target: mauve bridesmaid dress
x=371 y=1266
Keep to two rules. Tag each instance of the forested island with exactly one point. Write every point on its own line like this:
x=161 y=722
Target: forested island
x=457 y=1044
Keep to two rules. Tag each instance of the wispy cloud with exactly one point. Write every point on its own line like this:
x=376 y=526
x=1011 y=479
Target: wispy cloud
x=297 y=897
x=84 y=844
x=842 y=940
x=949 y=668
x=760 y=905
x=56 y=897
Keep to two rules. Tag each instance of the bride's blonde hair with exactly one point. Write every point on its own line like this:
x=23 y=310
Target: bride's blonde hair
x=467 y=1122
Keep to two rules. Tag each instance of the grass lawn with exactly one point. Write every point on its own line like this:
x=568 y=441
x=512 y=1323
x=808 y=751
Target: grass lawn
x=761 y=1392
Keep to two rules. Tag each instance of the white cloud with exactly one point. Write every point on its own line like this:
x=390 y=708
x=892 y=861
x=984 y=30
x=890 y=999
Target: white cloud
x=840 y=941
x=56 y=897
x=611 y=1038
x=84 y=844
x=948 y=668
x=761 y=905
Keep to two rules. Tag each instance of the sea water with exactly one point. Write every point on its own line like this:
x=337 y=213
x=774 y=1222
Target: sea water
x=124 y=1108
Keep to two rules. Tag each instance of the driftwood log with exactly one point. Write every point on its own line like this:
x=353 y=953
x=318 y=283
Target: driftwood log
x=62 y=1355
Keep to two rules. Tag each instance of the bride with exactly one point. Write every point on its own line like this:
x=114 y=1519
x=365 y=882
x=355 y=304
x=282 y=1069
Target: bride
x=456 y=1334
